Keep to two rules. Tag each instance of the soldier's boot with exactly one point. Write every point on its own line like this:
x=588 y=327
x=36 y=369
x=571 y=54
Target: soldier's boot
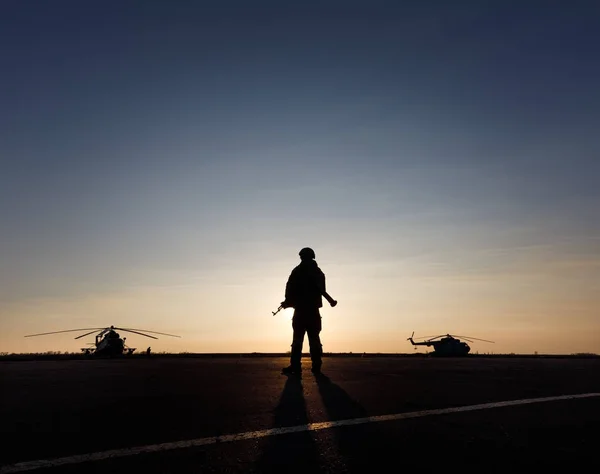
x=291 y=370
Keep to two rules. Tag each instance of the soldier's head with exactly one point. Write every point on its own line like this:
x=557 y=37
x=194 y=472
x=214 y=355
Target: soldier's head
x=307 y=254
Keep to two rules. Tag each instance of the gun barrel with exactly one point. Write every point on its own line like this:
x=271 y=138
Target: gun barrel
x=331 y=301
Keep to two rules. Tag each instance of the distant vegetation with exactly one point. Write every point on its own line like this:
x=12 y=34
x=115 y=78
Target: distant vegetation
x=58 y=355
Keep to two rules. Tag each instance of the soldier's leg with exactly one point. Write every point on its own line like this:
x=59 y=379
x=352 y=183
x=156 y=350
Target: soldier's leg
x=299 y=327
x=314 y=339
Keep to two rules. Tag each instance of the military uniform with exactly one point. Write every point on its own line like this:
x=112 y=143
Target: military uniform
x=303 y=292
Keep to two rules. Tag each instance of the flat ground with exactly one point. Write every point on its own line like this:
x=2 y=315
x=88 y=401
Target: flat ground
x=63 y=409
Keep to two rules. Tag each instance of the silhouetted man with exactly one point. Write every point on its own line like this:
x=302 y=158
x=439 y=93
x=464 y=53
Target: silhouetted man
x=303 y=292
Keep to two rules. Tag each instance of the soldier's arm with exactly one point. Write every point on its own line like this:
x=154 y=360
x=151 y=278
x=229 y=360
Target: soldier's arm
x=290 y=290
x=322 y=288
x=320 y=281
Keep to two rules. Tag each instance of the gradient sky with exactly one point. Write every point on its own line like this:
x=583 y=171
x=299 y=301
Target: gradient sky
x=162 y=163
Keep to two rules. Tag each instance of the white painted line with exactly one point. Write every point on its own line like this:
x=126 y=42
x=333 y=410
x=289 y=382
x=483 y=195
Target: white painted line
x=154 y=448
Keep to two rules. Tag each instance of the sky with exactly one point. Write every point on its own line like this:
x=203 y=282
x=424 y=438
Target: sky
x=162 y=163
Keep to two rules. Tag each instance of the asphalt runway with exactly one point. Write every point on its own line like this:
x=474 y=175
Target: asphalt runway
x=184 y=415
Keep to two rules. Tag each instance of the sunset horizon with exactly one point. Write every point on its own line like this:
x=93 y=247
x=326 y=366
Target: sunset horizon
x=162 y=167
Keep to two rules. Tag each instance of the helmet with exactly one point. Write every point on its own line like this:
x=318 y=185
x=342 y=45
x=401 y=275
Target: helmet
x=307 y=253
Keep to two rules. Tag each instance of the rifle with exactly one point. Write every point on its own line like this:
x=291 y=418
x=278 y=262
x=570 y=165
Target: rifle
x=331 y=301
x=326 y=295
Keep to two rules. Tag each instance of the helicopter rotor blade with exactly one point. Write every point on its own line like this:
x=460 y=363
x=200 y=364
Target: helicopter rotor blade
x=87 y=334
x=136 y=332
x=465 y=339
x=67 y=330
x=151 y=332
x=430 y=338
x=476 y=339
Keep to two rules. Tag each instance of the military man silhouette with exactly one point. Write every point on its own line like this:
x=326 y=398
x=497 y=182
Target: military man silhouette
x=303 y=292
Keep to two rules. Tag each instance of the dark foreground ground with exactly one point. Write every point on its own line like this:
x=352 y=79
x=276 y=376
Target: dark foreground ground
x=54 y=409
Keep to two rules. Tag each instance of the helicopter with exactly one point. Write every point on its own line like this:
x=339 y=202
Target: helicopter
x=108 y=341
x=448 y=345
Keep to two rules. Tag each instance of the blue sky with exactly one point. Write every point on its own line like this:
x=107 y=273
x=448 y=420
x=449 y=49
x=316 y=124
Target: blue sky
x=187 y=144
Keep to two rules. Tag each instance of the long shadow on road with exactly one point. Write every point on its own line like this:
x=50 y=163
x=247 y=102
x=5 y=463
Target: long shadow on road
x=295 y=452
x=343 y=445
x=338 y=404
